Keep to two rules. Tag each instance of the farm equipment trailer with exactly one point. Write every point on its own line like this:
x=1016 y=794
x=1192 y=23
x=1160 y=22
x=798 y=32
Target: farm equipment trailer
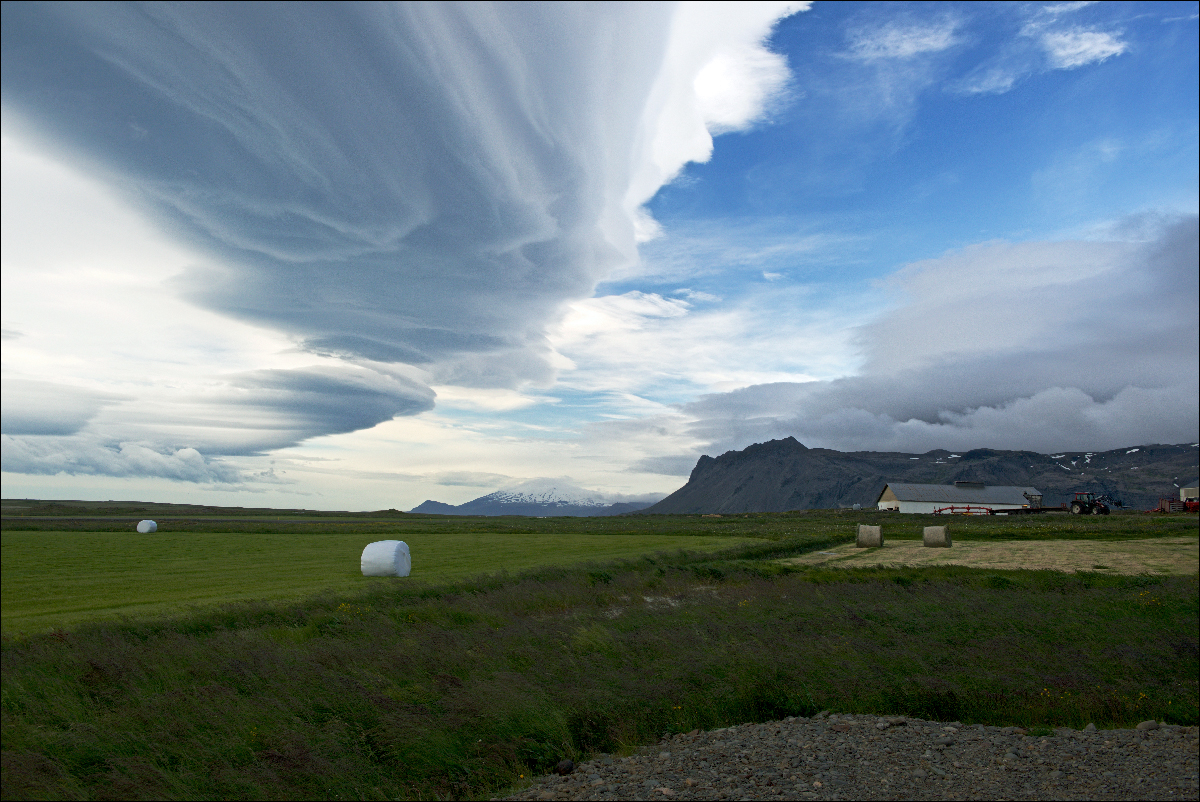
x=1187 y=502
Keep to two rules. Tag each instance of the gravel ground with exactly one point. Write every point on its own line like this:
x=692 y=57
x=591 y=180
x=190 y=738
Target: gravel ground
x=873 y=757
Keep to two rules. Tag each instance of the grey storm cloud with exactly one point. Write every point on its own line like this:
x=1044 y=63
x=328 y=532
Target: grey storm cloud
x=246 y=414
x=1040 y=345
x=418 y=183
x=294 y=405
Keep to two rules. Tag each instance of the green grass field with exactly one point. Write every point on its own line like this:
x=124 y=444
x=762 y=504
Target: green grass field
x=59 y=579
x=66 y=563
x=292 y=676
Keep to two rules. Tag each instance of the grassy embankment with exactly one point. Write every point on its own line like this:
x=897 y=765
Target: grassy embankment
x=407 y=690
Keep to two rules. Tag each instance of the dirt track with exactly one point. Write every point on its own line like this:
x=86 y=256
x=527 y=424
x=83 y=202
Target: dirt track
x=1174 y=555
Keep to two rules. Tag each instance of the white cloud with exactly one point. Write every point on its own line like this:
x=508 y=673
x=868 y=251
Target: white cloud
x=85 y=455
x=1078 y=47
x=990 y=80
x=641 y=347
x=1045 y=41
x=898 y=41
x=1055 y=9
x=697 y=296
x=487 y=399
x=716 y=76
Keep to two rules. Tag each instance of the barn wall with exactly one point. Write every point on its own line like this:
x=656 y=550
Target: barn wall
x=929 y=506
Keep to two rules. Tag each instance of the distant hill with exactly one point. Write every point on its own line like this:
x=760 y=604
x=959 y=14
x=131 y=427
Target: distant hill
x=537 y=497
x=783 y=475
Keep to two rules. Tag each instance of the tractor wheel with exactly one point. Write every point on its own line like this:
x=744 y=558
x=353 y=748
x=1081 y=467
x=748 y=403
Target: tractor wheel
x=1097 y=510
x=1076 y=508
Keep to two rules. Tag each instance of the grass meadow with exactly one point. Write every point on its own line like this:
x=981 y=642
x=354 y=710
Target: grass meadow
x=59 y=579
x=462 y=685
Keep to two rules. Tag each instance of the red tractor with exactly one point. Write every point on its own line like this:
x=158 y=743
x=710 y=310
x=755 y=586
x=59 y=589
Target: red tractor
x=1086 y=503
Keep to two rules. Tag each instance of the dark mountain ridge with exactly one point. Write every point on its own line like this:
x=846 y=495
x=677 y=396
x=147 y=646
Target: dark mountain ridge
x=782 y=475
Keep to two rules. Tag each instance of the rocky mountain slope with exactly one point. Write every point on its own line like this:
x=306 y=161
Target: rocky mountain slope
x=537 y=497
x=783 y=475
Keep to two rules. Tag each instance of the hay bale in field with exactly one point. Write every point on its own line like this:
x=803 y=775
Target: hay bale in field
x=386 y=558
x=869 y=537
x=146 y=527
x=937 y=537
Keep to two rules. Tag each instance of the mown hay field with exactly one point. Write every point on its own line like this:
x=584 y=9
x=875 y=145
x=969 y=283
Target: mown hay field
x=59 y=579
x=1162 y=555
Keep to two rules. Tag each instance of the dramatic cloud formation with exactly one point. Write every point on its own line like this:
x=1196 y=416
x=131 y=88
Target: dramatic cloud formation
x=1054 y=345
x=422 y=184
x=442 y=177
x=375 y=253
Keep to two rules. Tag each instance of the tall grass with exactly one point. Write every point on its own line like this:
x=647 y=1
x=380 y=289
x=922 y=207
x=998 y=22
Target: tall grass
x=455 y=691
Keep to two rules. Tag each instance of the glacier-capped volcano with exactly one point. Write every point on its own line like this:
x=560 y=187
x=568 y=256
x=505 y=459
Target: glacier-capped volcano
x=548 y=491
x=542 y=497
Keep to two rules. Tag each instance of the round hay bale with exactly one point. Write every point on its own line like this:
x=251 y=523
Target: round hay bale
x=146 y=527
x=937 y=537
x=868 y=537
x=386 y=558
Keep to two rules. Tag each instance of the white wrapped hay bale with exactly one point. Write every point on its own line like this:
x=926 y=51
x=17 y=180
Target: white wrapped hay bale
x=386 y=558
x=937 y=537
x=869 y=537
x=146 y=527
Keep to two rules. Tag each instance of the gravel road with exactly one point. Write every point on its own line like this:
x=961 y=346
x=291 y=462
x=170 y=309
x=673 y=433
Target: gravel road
x=873 y=757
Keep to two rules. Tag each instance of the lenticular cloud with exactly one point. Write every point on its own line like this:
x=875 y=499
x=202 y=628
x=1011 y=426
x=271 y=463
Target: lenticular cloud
x=427 y=184
x=420 y=183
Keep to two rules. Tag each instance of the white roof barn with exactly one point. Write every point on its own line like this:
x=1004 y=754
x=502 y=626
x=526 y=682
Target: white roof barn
x=906 y=497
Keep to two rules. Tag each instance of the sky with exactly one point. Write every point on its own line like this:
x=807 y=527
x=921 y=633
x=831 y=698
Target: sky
x=356 y=256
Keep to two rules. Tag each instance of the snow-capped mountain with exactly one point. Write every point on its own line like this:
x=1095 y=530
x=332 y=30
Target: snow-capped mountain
x=541 y=497
x=548 y=491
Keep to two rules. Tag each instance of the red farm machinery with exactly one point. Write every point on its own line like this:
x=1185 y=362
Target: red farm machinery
x=1088 y=503
x=1187 y=502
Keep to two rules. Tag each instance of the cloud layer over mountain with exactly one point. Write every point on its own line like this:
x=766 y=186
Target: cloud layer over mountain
x=1042 y=345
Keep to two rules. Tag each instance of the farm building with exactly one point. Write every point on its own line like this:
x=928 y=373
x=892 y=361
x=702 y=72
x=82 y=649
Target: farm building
x=905 y=497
